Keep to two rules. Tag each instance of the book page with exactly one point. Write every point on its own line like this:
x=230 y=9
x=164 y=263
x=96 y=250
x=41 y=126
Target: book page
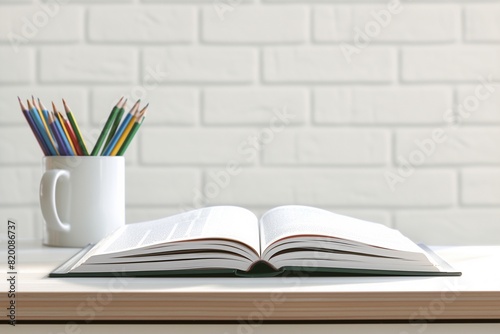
x=292 y=220
x=221 y=222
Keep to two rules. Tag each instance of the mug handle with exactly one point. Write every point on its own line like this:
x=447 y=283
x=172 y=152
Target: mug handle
x=48 y=199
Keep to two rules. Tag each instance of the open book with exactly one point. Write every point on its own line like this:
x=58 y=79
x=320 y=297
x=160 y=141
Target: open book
x=232 y=241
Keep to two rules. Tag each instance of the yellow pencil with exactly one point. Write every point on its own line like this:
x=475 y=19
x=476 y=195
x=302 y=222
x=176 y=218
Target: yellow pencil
x=39 y=107
x=125 y=133
x=76 y=129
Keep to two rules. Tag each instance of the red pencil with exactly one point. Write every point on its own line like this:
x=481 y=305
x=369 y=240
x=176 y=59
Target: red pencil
x=72 y=135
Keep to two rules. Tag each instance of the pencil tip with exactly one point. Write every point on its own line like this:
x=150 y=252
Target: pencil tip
x=34 y=102
x=135 y=108
x=53 y=106
x=141 y=113
x=23 y=108
x=29 y=104
x=66 y=108
x=121 y=103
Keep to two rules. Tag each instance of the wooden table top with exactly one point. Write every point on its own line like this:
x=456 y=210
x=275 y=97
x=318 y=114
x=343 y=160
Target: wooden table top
x=473 y=296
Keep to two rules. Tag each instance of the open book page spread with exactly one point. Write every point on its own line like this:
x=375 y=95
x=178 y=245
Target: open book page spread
x=210 y=227
x=304 y=229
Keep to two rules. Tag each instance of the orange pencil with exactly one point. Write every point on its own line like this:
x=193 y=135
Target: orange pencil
x=64 y=127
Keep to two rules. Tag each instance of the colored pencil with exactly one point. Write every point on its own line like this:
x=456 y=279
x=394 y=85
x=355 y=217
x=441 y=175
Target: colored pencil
x=59 y=125
x=45 y=113
x=41 y=109
x=44 y=122
x=107 y=126
x=115 y=124
x=72 y=137
x=67 y=137
x=121 y=129
x=40 y=112
x=135 y=128
x=34 y=129
x=41 y=129
x=75 y=127
x=125 y=133
x=57 y=133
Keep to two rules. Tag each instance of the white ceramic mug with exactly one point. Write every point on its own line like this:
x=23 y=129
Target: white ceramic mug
x=82 y=198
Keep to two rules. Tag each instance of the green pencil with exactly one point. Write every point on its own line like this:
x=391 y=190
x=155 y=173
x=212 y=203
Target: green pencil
x=133 y=131
x=76 y=129
x=115 y=124
x=107 y=126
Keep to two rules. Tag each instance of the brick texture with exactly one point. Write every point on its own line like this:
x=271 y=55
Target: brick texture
x=381 y=105
x=403 y=24
x=136 y=24
x=482 y=23
x=251 y=25
x=328 y=64
x=248 y=106
x=203 y=64
x=440 y=63
x=327 y=147
x=21 y=25
x=88 y=64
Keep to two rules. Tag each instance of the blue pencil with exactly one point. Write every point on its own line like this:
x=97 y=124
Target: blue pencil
x=121 y=129
x=38 y=122
x=67 y=145
x=45 y=111
x=34 y=129
x=57 y=134
x=60 y=127
x=44 y=115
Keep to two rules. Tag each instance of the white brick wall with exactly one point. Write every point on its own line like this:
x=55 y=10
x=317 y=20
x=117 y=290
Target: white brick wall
x=83 y=64
x=137 y=24
x=260 y=103
x=381 y=105
x=250 y=24
x=336 y=23
x=323 y=64
x=449 y=63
